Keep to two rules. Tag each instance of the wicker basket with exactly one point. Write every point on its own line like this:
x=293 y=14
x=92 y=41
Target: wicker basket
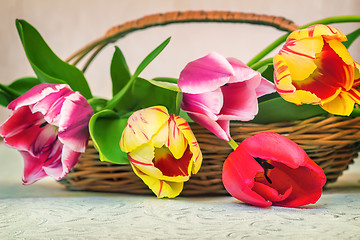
x=331 y=142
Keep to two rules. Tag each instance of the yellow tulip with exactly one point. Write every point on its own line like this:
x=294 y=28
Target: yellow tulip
x=314 y=67
x=162 y=150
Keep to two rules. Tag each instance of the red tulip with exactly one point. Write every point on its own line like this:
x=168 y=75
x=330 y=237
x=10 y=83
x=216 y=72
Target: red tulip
x=269 y=169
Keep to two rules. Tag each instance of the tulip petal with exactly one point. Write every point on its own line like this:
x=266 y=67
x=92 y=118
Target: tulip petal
x=193 y=144
x=177 y=143
x=301 y=53
x=33 y=170
x=239 y=171
x=74 y=121
x=59 y=168
x=159 y=187
x=141 y=127
x=319 y=30
x=306 y=182
x=243 y=73
x=208 y=103
x=343 y=104
x=205 y=74
x=286 y=151
x=36 y=94
x=220 y=128
x=270 y=193
x=240 y=101
x=22 y=135
x=265 y=87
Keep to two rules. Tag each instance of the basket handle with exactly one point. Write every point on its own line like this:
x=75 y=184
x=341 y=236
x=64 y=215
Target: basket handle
x=117 y=32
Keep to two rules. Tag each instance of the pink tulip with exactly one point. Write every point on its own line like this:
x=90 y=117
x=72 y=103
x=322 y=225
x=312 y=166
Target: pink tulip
x=49 y=126
x=217 y=90
x=269 y=169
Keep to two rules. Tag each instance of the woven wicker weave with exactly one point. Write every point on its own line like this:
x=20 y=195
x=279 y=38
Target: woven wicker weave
x=331 y=142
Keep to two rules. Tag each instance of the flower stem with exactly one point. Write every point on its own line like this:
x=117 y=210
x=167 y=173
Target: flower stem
x=233 y=144
x=280 y=40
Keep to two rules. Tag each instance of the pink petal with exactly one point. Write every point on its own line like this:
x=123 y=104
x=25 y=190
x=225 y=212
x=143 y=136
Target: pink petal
x=205 y=74
x=209 y=103
x=33 y=170
x=243 y=72
x=220 y=128
x=240 y=102
x=21 y=134
x=265 y=87
x=51 y=105
x=74 y=120
x=60 y=165
x=35 y=94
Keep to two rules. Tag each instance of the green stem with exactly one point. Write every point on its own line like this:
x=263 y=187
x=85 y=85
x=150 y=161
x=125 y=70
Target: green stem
x=280 y=40
x=233 y=144
x=259 y=64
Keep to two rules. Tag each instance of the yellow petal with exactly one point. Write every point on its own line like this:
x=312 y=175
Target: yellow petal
x=160 y=138
x=141 y=127
x=301 y=53
x=341 y=50
x=193 y=144
x=318 y=30
x=286 y=89
x=177 y=143
x=160 y=188
x=343 y=104
x=143 y=154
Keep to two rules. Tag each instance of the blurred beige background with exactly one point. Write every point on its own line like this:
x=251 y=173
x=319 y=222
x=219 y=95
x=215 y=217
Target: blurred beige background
x=68 y=25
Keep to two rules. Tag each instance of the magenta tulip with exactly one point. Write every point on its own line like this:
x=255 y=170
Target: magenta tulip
x=217 y=90
x=49 y=126
x=269 y=169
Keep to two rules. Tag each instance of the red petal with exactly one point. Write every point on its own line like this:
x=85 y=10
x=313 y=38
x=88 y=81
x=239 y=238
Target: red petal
x=169 y=165
x=238 y=175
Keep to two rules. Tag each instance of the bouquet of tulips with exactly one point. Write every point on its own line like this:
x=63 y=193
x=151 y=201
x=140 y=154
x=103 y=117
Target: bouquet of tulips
x=145 y=123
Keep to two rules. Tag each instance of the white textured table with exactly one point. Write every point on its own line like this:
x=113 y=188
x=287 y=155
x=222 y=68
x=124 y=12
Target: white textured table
x=46 y=211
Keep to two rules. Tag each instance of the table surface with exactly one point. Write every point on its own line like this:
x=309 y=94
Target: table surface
x=45 y=210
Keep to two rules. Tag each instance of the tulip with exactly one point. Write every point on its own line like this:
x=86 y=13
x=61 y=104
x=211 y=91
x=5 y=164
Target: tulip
x=49 y=126
x=217 y=90
x=269 y=169
x=162 y=150
x=314 y=67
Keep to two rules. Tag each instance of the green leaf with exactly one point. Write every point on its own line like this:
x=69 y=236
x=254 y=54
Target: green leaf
x=119 y=70
x=146 y=95
x=351 y=38
x=22 y=85
x=267 y=72
x=47 y=66
x=114 y=103
x=97 y=103
x=5 y=99
x=105 y=129
x=149 y=58
x=279 y=110
x=166 y=79
x=166 y=85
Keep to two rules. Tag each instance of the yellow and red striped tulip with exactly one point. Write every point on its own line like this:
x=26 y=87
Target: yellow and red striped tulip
x=162 y=150
x=314 y=67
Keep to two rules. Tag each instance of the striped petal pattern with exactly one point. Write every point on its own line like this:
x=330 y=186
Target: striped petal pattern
x=54 y=134
x=162 y=150
x=314 y=67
